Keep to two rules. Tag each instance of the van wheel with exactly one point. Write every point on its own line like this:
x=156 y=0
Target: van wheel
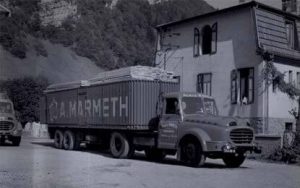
x=16 y=141
x=155 y=154
x=58 y=139
x=120 y=146
x=233 y=161
x=71 y=141
x=191 y=153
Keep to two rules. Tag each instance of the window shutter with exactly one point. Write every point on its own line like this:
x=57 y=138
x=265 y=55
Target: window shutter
x=234 y=87
x=214 y=38
x=298 y=32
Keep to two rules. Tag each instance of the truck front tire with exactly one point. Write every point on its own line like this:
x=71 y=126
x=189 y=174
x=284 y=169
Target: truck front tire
x=120 y=146
x=16 y=141
x=58 y=139
x=233 y=161
x=191 y=153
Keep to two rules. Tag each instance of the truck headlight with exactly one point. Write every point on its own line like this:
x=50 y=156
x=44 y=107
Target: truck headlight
x=228 y=148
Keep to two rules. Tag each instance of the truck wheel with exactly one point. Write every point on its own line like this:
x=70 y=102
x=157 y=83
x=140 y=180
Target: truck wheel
x=2 y=141
x=58 y=139
x=155 y=154
x=191 y=153
x=233 y=161
x=71 y=141
x=120 y=147
x=16 y=141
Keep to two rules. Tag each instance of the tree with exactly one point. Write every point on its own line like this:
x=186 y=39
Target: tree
x=25 y=94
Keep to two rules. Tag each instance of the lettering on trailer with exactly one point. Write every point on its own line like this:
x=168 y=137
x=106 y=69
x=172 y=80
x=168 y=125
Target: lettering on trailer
x=93 y=107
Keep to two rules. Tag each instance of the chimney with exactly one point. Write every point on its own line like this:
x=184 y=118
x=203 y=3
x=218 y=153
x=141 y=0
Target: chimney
x=291 y=6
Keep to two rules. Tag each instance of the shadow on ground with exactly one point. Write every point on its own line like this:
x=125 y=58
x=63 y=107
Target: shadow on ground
x=138 y=156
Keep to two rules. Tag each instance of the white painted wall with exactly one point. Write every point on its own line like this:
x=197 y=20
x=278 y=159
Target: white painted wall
x=236 y=49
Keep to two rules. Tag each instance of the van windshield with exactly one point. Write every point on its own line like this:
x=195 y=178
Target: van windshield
x=6 y=107
x=195 y=105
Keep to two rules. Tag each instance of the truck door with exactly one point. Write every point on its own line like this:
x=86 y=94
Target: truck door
x=168 y=126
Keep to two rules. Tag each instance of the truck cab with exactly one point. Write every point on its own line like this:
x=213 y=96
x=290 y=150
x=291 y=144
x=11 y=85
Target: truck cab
x=10 y=128
x=190 y=124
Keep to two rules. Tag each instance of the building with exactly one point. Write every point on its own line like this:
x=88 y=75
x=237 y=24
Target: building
x=221 y=54
x=292 y=6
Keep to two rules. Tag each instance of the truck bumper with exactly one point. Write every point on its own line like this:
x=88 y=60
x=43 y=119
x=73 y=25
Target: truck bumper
x=14 y=133
x=226 y=147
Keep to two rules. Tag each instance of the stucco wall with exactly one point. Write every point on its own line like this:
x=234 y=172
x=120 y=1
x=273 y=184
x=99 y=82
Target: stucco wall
x=236 y=48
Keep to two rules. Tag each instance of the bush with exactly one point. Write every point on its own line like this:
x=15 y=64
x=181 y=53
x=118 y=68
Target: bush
x=25 y=93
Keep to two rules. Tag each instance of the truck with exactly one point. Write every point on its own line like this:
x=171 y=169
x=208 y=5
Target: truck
x=10 y=127
x=141 y=114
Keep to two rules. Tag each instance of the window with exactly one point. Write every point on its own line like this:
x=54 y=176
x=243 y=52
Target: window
x=290 y=77
x=172 y=106
x=204 y=83
x=245 y=77
x=289 y=126
x=298 y=80
x=196 y=42
x=246 y=85
x=177 y=78
x=234 y=89
x=206 y=39
x=290 y=33
x=209 y=39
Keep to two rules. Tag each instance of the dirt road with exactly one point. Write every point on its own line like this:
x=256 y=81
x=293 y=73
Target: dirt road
x=37 y=164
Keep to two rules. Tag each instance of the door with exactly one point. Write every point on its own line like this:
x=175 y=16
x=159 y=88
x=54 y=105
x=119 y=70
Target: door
x=168 y=125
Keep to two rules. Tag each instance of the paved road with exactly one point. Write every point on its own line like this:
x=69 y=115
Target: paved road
x=37 y=164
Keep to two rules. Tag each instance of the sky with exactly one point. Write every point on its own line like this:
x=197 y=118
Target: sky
x=227 y=3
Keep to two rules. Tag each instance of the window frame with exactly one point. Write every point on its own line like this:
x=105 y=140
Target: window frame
x=294 y=42
x=240 y=83
x=234 y=80
x=201 y=75
x=196 y=47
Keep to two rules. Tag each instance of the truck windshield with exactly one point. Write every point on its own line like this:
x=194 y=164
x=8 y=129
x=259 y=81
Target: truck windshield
x=195 y=105
x=5 y=107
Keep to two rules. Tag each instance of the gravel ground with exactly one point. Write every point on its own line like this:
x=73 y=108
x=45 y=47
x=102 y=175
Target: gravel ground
x=37 y=164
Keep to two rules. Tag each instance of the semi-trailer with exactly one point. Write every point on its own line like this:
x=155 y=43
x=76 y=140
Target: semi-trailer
x=152 y=115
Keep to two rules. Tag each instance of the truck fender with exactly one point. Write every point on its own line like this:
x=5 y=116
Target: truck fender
x=199 y=134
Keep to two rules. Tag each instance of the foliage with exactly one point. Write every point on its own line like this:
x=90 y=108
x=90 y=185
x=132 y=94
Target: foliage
x=113 y=37
x=25 y=94
x=14 y=30
x=271 y=75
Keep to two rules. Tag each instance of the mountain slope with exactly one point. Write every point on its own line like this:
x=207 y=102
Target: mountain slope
x=60 y=65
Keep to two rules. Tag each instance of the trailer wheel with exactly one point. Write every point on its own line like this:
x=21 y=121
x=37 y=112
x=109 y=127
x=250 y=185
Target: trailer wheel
x=120 y=146
x=58 y=139
x=191 y=153
x=71 y=141
x=155 y=154
x=233 y=161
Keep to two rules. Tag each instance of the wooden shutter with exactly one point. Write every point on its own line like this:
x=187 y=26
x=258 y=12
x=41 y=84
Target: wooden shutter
x=214 y=40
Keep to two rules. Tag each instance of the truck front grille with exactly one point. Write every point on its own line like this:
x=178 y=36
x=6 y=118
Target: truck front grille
x=6 y=126
x=241 y=136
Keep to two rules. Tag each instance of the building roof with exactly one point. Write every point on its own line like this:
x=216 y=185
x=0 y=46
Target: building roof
x=4 y=11
x=222 y=11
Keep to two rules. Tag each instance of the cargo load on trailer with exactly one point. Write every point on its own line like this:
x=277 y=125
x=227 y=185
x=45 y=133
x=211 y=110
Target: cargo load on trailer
x=141 y=108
